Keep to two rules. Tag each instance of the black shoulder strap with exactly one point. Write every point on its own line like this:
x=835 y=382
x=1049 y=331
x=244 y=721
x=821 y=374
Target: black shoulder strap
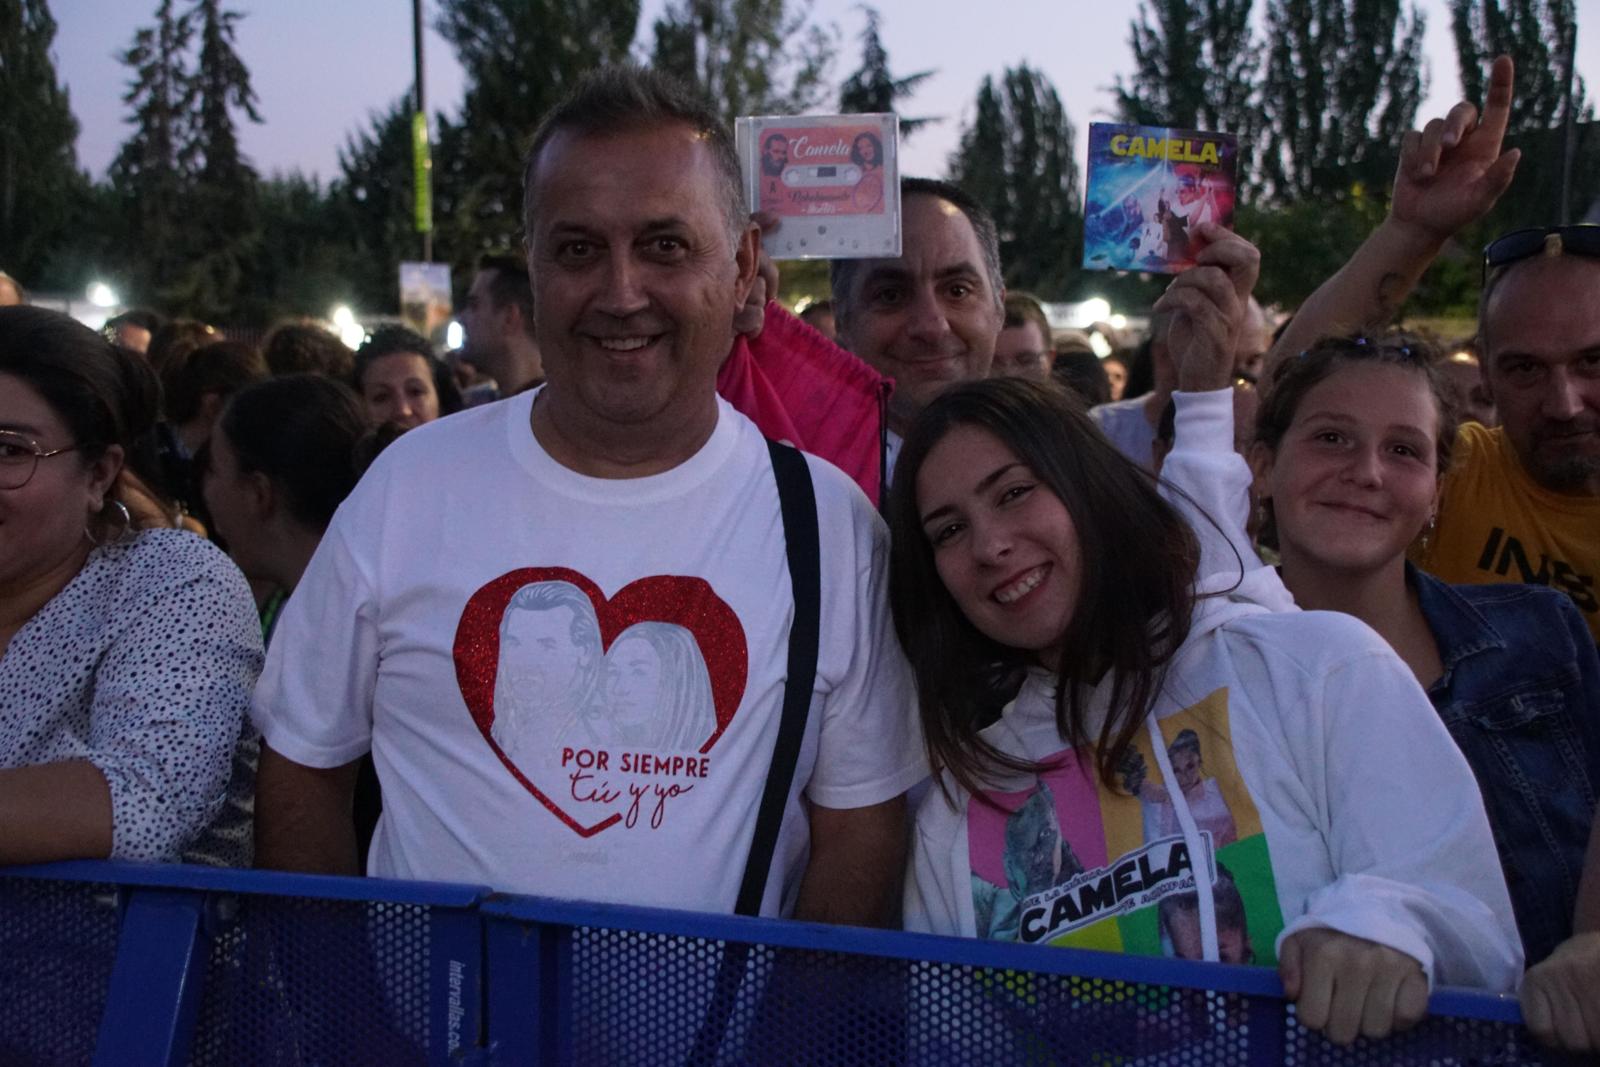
x=798 y=501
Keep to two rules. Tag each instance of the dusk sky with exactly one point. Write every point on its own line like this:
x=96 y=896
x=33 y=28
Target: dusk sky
x=320 y=67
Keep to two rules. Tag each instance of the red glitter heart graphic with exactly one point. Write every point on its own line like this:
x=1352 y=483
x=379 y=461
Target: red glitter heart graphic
x=685 y=608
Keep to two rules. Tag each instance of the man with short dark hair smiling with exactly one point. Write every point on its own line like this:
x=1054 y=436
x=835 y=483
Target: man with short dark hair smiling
x=626 y=487
x=929 y=318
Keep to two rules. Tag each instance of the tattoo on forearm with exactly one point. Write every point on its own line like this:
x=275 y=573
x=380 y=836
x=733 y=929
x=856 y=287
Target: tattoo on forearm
x=1392 y=291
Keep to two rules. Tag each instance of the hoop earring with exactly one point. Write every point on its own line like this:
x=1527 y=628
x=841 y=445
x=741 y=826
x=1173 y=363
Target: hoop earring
x=123 y=528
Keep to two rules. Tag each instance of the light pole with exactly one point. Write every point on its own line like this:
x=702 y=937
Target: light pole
x=421 y=156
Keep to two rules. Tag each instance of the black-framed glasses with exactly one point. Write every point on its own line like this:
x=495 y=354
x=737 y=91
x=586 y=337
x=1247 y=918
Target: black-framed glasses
x=1579 y=239
x=19 y=458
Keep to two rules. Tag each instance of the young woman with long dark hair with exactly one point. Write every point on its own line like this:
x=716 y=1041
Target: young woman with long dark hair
x=1155 y=694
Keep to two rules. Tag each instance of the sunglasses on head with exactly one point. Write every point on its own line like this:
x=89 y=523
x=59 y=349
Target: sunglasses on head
x=1582 y=239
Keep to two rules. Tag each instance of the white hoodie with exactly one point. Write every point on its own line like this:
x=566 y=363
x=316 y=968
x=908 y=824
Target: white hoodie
x=1320 y=789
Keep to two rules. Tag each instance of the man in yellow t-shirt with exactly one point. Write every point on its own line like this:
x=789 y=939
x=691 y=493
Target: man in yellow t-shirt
x=1522 y=503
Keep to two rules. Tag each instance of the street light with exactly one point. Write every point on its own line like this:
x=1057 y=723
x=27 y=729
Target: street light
x=1095 y=309
x=351 y=332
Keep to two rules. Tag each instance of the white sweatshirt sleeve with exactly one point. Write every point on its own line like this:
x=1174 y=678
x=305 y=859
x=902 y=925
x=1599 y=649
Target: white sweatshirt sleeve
x=1413 y=861
x=1209 y=483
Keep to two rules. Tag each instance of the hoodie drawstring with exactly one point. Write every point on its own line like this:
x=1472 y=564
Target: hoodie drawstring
x=1200 y=862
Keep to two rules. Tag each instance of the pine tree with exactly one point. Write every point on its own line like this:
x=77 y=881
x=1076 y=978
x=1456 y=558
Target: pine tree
x=521 y=57
x=41 y=187
x=224 y=219
x=1343 y=82
x=746 y=57
x=1017 y=159
x=1195 y=67
x=152 y=174
x=872 y=89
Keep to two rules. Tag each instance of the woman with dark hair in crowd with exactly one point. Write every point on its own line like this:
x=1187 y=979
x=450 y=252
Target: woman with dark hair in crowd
x=1025 y=545
x=127 y=656
x=1081 y=372
x=303 y=347
x=1352 y=440
x=285 y=454
x=280 y=463
x=401 y=381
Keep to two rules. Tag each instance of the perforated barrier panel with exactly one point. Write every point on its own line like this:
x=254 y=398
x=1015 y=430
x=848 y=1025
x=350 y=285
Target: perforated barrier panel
x=298 y=981
x=1438 y=1041
x=270 y=970
x=58 y=942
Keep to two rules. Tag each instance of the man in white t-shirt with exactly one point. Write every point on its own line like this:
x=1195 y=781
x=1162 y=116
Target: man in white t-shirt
x=560 y=622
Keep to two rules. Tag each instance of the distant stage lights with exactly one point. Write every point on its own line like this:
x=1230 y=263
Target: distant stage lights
x=102 y=295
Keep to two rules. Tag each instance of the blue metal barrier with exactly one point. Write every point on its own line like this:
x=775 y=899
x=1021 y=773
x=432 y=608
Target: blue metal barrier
x=130 y=964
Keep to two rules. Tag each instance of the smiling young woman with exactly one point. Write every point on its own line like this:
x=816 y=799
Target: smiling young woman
x=1352 y=440
x=1027 y=549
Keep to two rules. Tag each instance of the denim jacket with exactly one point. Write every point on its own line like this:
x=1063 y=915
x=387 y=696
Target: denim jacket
x=1520 y=694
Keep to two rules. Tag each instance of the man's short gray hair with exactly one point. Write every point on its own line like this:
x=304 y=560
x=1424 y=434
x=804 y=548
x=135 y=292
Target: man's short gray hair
x=625 y=98
x=843 y=272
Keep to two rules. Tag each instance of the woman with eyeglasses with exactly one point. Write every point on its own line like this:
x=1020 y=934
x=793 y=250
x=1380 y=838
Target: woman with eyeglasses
x=127 y=656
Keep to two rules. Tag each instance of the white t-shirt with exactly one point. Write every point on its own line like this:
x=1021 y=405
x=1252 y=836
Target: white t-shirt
x=571 y=686
x=1125 y=425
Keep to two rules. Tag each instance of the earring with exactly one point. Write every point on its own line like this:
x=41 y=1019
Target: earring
x=123 y=526
x=1427 y=534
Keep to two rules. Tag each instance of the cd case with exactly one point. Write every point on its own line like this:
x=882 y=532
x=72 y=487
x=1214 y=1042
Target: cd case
x=832 y=180
x=1149 y=189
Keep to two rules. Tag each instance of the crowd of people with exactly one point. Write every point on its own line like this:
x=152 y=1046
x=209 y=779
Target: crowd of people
x=1251 y=649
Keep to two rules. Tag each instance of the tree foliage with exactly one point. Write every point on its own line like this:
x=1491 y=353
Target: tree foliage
x=746 y=57
x=1195 y=67
x=223 y=217
x=41 y=188
x=376 y=198
x=1343 y=82
x=1538 y=35
x=187 y=223
x=521 y=57
x=153 y=170
x=872 y=88
x=1017 y=159
x=304 y=260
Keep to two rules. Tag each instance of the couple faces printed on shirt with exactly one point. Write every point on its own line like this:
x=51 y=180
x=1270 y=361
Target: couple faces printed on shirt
x=649 y=690
x=1048 y=866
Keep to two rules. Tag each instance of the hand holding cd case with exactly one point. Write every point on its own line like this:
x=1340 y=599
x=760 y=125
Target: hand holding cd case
x=1149 y=189
x=832 y=180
